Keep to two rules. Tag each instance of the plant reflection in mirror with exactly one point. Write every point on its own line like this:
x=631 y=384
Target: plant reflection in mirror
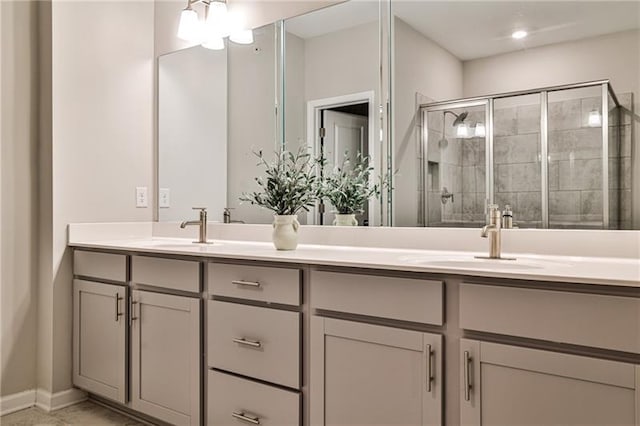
x=290 y=183
x=349 y=187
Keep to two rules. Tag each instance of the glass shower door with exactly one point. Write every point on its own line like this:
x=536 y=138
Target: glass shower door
x=455 y=180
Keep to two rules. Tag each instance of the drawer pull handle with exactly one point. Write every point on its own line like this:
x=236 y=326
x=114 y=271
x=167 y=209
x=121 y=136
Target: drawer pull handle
x=132 y=317
x=246 y=342
x=246 y=283
x=430 y=377
x=467 y=380
x=118 y=313
x=246 y=418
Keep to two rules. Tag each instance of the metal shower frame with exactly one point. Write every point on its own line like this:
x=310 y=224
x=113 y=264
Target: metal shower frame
x=488 y=103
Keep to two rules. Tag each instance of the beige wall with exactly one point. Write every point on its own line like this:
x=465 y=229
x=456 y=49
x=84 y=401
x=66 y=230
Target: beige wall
x=615 y=57
x=420 y=67
x=102 y=136
x=18 y=190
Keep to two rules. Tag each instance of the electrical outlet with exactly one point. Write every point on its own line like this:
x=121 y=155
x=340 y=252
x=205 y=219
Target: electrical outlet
x=165 y=198
x=142 y=199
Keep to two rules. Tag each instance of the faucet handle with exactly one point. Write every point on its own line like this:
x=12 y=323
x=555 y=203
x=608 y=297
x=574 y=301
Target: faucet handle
x=202 y=209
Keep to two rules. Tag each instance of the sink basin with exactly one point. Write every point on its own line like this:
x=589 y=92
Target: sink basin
x=483 y=263
x=470 y=262
x=174 y=244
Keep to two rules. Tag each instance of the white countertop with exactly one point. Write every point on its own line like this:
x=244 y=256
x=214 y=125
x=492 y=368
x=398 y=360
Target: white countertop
x=623 y=272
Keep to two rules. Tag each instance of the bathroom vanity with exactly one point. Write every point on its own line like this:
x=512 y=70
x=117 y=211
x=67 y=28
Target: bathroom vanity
x=239 y=333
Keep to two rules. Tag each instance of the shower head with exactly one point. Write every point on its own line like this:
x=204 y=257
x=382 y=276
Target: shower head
x=460 y=118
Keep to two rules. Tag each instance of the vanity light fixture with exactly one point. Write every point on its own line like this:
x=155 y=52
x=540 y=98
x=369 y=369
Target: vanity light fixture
x=480 y=131
x=189 y=28
x=217 y=25
x=595 y=120
x=519 y=34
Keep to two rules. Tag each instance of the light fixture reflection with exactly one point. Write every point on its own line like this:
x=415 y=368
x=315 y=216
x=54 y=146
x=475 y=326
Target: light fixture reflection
x=462 y=131
x=217 y=20
x=480 y=131
x=242 y=37
x=519 y=34
x=189 y=28
x=595 y=120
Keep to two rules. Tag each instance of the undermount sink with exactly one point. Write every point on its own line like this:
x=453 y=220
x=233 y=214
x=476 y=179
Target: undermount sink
x=471 y=262
x=174 y=244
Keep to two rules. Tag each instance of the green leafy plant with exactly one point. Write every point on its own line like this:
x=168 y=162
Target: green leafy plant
x=289 y=185
x=349 y=188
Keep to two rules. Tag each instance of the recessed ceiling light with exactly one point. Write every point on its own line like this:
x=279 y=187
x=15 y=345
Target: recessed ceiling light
x=520 y=34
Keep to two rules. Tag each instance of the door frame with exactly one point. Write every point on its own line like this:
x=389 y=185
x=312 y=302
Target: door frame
x=314 y=110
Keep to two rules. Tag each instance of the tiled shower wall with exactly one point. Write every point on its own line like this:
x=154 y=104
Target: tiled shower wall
x=575 y=166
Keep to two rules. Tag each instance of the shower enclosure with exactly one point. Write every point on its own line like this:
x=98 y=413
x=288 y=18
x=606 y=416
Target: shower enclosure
x=551 y=155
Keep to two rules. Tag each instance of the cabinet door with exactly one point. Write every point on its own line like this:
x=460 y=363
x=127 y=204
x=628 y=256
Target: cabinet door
x=365 y=374
x=165 y=357
x=99 y=339
x=509 y=385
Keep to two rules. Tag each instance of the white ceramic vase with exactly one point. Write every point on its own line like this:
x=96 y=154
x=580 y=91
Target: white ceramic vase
x=345 y=220
x=285 y=231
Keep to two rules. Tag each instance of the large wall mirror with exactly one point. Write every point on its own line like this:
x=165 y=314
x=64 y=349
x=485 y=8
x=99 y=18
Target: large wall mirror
x=332 y=91
x=531 y=105
x=215 y=109
x=528 y=105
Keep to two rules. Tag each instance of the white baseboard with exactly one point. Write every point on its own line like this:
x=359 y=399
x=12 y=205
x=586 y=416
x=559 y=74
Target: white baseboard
x=42 y=399
x=51 y=402
x=17 y=401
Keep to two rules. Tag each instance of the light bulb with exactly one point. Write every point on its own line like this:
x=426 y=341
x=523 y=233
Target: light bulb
x=218 y=20
x=462 y=131
x=480 y=131
x=215 y=43
x=594 y=119
x=189 y=28
x=242 y=37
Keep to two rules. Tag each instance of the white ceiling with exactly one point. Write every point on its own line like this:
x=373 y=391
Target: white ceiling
x=476 y=29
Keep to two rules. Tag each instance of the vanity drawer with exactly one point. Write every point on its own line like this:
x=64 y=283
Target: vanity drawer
x=601 y=321
x=271 y=348
x=406 y=299
x=275 y=285
x=270 y=406
x=166 y=273
x=106 y=266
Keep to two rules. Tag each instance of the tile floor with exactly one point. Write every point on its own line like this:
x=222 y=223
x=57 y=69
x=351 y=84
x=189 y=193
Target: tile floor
x=86 y=413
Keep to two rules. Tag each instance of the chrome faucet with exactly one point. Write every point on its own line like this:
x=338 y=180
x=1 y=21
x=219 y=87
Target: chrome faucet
x=492 y=231
x=202 y=222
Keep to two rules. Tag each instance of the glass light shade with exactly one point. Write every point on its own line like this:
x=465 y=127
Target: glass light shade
x=480 y=131
x=242 y=37
x=462 y=131
x=218 y=20
x=216 y=43
x=189 y=28
x=594 y=119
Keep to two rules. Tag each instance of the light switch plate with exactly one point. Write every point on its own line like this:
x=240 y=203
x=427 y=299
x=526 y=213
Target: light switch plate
x=142 y=199
x=165 y=198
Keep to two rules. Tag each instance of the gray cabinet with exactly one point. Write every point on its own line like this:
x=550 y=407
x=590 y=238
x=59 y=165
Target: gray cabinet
x=509 y=385
x=99 y=337
x=165 y=357
x=364 y=374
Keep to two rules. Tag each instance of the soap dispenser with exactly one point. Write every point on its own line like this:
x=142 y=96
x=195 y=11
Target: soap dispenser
x=507 y=217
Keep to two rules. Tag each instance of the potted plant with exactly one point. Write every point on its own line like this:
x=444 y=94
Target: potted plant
x=348 y=188
x=290 y=184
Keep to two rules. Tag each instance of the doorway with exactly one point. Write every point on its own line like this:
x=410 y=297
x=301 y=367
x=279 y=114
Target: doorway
x=337 y=126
